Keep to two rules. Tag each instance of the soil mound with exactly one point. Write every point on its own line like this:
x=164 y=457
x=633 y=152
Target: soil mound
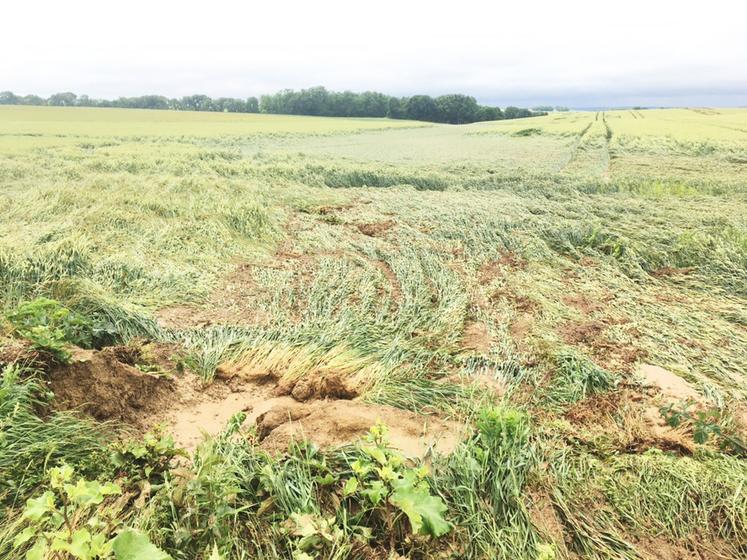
x=317 y=386
x=101 y=385
x=335 y=423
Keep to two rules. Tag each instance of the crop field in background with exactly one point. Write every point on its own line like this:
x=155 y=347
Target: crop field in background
x=254 y=336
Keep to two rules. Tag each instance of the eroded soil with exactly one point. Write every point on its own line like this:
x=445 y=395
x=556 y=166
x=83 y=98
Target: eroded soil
x=323 y=408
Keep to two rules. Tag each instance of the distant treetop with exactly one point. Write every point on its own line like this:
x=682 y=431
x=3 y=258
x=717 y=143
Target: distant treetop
x=452 y=108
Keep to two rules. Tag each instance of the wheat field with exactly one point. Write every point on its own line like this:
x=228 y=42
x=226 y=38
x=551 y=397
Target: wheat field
x=549 y=314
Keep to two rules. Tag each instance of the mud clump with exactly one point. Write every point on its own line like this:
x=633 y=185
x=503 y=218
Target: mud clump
x=583 y=333
x=376 y=229
x=99 y=384
x=493 y=269
x=317 y=386
x=336 y=423
x=279 y=415
x=14 y=350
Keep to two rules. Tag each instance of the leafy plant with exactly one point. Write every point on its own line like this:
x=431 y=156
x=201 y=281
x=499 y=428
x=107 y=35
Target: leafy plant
x=49 y=325
x=147 y=459
x=312 y=534
x=705 y=424
x=69 y=521
x=387 y=490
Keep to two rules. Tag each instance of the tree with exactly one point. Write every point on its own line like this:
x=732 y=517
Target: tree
x=421 y=108
x=32 y=100
x=395 y=108
x=516 y=113
x=66 y=99
x=485 y=113
x=9 y=98
x=456 y=109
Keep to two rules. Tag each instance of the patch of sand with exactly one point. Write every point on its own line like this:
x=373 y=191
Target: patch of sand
x=476 y=338
x=335 y=423
x=672 y=386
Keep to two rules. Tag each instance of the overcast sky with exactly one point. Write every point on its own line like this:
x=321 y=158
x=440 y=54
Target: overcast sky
x=529 y=52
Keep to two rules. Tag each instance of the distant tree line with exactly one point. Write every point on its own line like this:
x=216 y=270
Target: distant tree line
x=452 y=108
x=187 y=103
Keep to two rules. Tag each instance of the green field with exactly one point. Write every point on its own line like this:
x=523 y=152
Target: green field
x=549 y=314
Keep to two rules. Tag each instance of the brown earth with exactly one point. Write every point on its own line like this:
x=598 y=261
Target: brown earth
x=584 y=333
x=582 y=303
x=232 y=302
x=386 y=270
x=495 y=268
x=671 y=386
x=13 y=350
x=99 y=384
x=613 y=355
x=476 y=338
x=547 y=521
x=670 y=271
x=519 y=330
x=322 y=407
x=376 y=229
x=339 y=422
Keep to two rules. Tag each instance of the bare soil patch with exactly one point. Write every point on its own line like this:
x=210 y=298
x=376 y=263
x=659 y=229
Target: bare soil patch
x=496 y=268
x=519 y=330
x=99 y=384
x=614 y=355
x=322 y=407
x=13 y=350
x=671 y=386
x=517 y=301
x=476 y=338
x=582 y=333
x=234 y=302
x=544 y=517
x=667 y=271
x=376 y=229
x=386 y=270
x=334 y=423
x=582 y=303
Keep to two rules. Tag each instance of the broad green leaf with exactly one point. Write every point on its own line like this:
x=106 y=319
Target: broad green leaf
x=350 y=486
x=38 y=551
x=424 y=511
x=359 y=468
x=101 y=546
x=77 y=546
x=134 y=545
x=375 y=492
x=387 y=473
x=24 y=536
x=110 y=489
x=375 y=453
x=36 y=508
x=87 y=493
x=60 y=475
